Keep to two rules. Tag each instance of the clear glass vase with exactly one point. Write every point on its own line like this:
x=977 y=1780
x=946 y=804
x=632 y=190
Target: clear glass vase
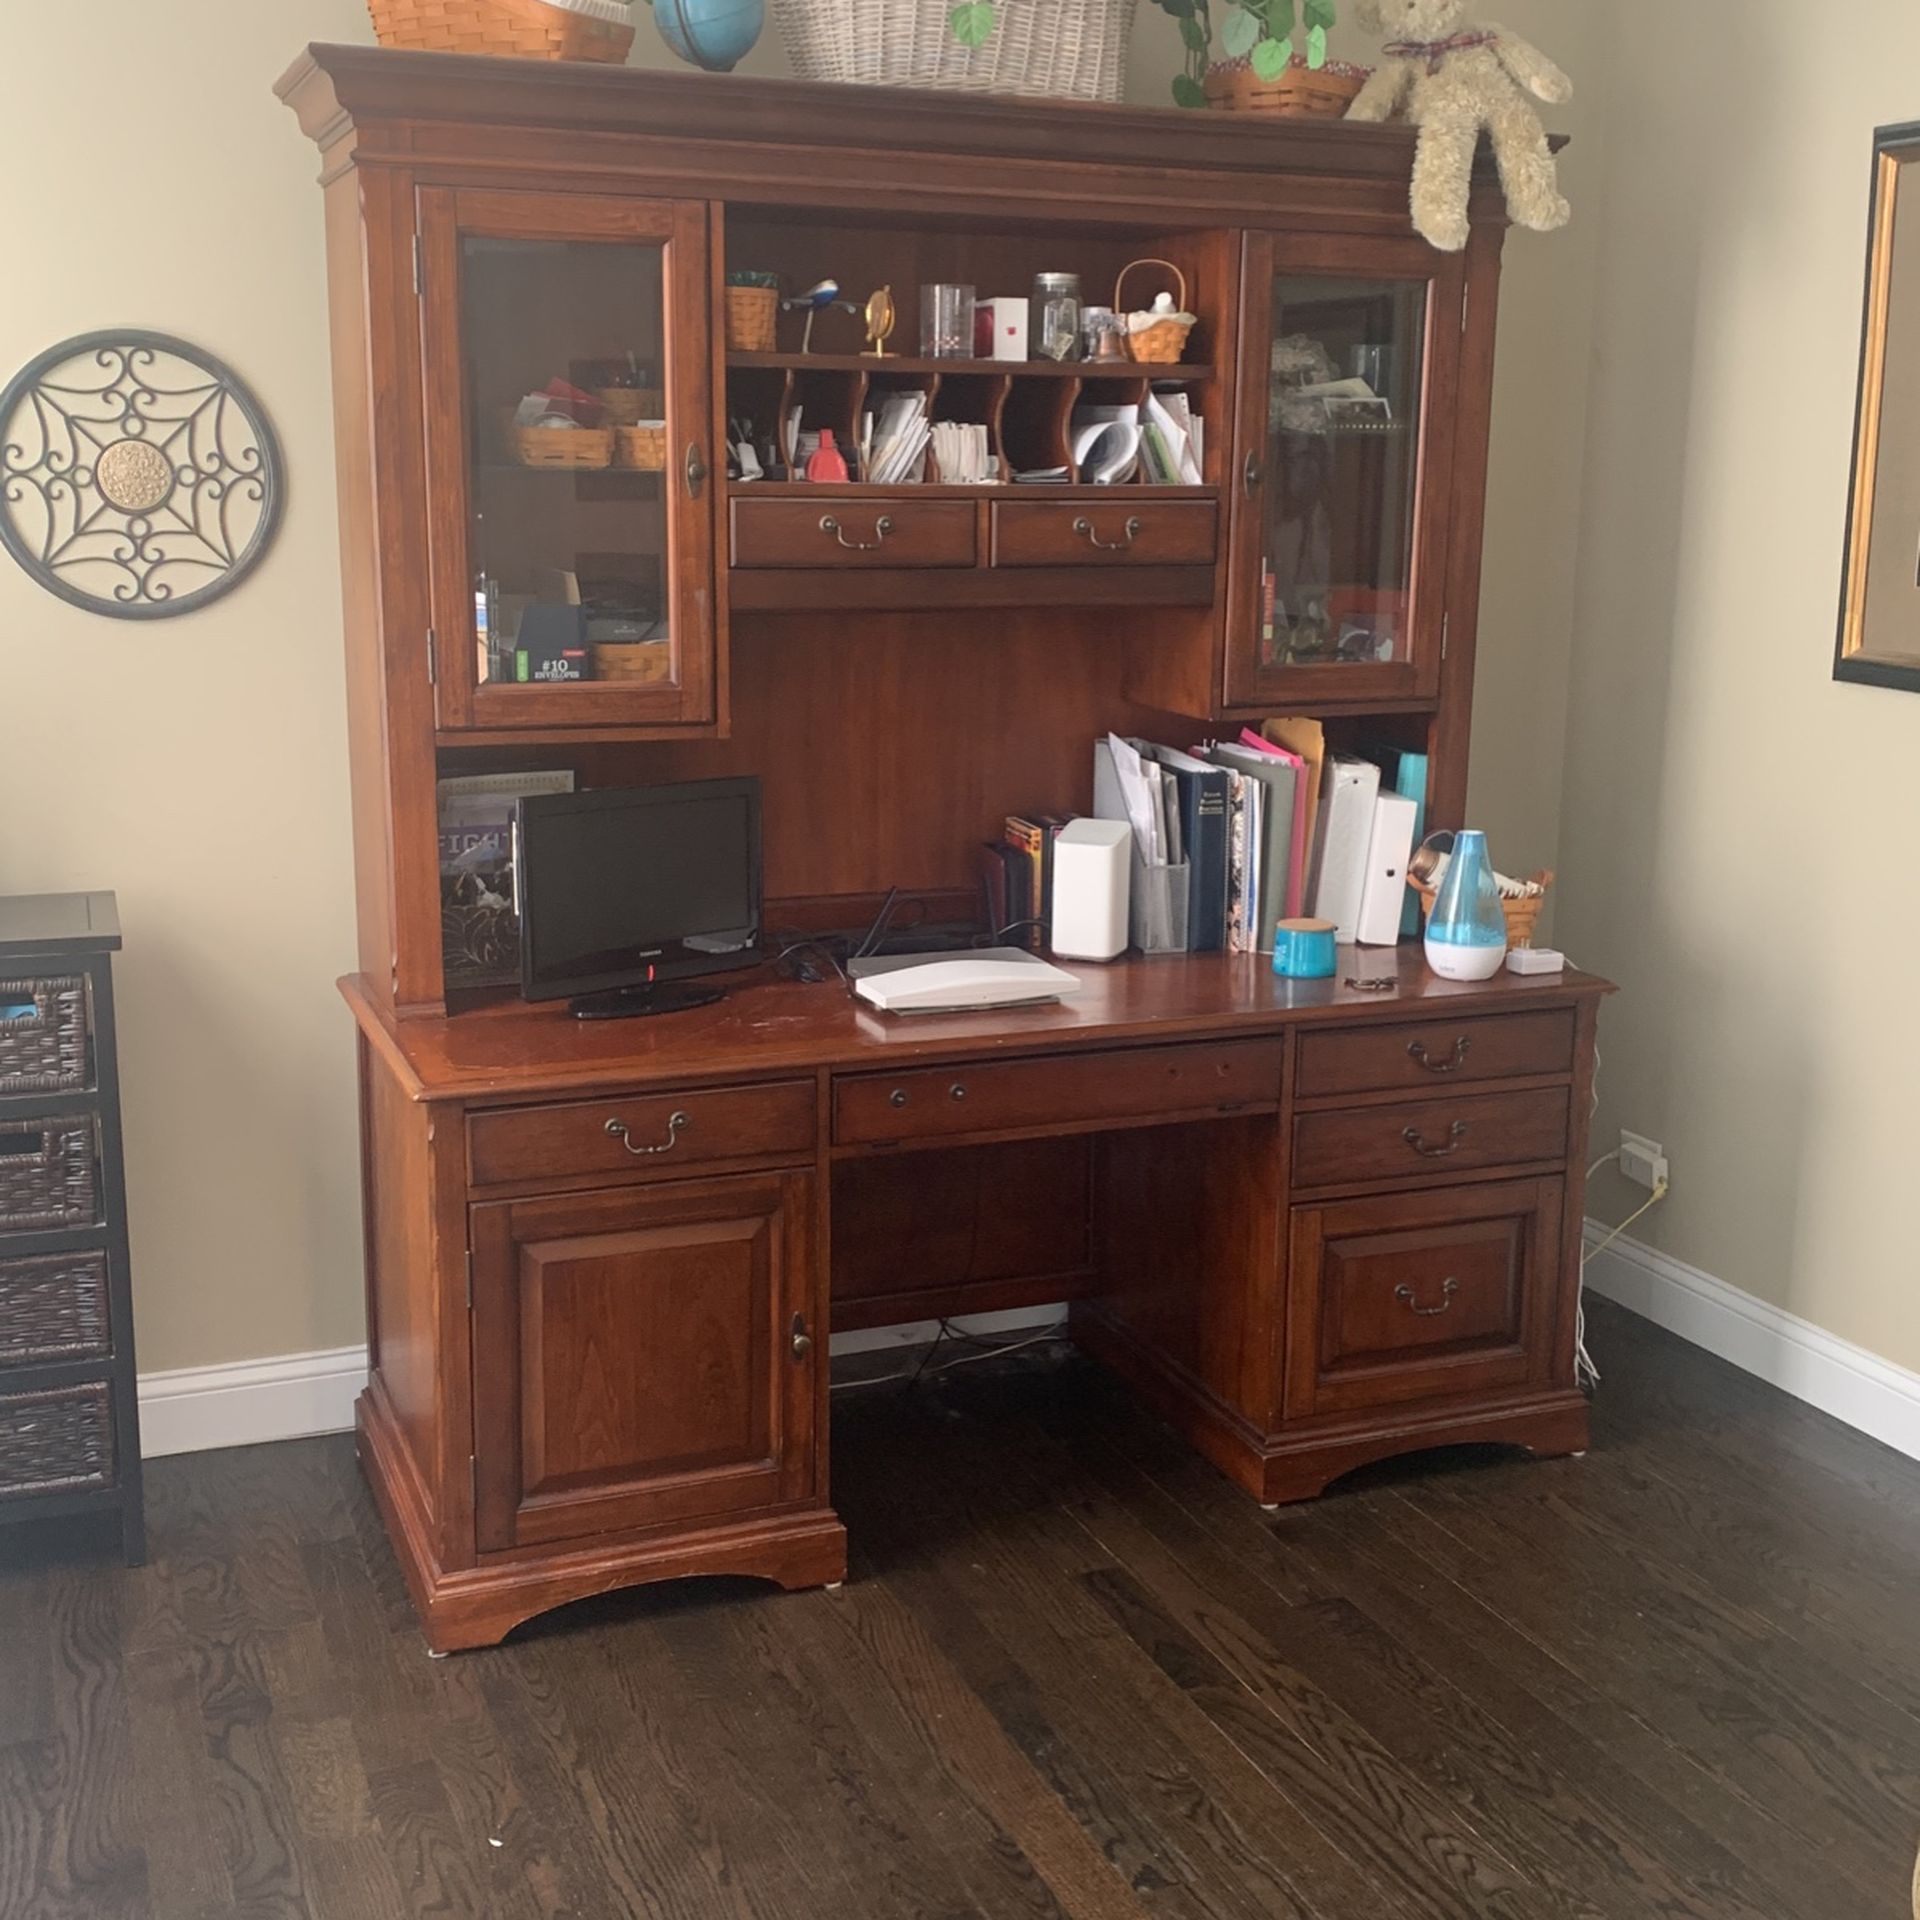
x=1467 y=929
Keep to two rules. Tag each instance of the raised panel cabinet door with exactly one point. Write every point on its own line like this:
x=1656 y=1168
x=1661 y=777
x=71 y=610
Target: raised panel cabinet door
x=1448 y=1295
x=570 y=490
x=643 y=1359
x=1344 y=448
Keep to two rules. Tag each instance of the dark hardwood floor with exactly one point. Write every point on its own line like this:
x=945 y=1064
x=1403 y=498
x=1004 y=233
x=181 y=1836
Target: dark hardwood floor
x=1074 y=1674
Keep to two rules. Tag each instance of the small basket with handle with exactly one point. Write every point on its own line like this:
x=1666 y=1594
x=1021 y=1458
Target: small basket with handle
x=1523 y=913
x=1163 y=343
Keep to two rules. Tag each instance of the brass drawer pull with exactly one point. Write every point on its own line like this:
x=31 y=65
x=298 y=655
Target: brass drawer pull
x=1448 y=1288
x=1418 y=1050
x=957 y=1091
x=1422 y=1145
x=1131 y=532
x=802 y=1340
x=897 y=1098
x=696 y=470
x=881 y=528
x=675 y=1121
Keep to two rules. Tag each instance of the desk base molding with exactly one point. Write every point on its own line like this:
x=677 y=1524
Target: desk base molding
x=1279 y=1469
x=479 y=1606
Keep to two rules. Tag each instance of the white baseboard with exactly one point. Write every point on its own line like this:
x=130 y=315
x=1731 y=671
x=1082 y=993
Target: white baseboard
x=1858 y=1388
x=248 y=1401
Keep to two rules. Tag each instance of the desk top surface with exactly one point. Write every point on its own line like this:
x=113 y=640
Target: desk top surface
x=38 y=923
x=769 y=1025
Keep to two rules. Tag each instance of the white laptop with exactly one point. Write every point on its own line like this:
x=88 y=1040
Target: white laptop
x=960 y=983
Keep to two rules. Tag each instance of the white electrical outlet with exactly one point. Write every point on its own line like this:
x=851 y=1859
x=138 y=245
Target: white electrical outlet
x=1643 y=1161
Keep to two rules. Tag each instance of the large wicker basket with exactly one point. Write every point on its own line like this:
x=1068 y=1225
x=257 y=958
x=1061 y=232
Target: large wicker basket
x=1058 y=49
x=525 y=29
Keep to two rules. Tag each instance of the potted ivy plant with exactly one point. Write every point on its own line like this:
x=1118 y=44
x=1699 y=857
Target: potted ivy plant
x=1260 y=67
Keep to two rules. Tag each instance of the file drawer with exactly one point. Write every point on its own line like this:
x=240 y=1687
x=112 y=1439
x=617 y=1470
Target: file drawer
x=1436 y=1053
x=657 y=1134
x=1408 y=1138
x=1152 y=533
x=853 y=533
x=1426 y=1296
x=1136 y=1086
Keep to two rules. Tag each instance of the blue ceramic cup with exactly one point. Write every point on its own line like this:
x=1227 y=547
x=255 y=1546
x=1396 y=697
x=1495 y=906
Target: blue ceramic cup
x=1304 y=949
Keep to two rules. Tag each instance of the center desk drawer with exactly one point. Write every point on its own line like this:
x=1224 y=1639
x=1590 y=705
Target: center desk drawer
x=854 y=533
x=1461 y=1135
x=1151 y=533
x=1141 y=1084
x=651 y=1133
x=1436 y=1053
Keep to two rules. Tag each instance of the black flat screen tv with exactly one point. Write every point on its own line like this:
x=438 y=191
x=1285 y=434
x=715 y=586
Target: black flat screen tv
x=625 y=894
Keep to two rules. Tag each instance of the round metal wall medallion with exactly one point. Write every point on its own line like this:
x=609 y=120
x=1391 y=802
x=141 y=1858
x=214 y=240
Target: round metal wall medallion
x=138 y=475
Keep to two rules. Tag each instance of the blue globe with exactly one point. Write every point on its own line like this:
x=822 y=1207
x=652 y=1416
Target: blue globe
x=715 y=34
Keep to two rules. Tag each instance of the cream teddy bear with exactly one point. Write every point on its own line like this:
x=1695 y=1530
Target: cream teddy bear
x=1462 y=78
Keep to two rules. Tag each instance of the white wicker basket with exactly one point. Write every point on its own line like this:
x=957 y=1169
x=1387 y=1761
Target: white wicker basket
x=1060 y=49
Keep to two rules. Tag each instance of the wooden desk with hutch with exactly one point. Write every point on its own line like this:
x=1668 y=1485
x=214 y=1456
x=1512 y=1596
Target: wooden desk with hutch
x=1314 y=1225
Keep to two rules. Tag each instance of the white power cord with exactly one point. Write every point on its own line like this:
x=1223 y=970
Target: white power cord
x=1584 y=1371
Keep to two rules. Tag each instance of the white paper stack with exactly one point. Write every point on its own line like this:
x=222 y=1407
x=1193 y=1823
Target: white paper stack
x=960 y=452
x=898 y=440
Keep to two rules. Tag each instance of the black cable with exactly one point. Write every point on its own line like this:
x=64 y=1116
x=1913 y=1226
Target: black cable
x=877 y=932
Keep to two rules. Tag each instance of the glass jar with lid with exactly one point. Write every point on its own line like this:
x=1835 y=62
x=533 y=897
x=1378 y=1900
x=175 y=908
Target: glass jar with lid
x=1057 y=313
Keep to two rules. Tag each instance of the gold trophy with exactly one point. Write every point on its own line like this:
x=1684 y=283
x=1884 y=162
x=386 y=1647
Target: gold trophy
x=882 y=318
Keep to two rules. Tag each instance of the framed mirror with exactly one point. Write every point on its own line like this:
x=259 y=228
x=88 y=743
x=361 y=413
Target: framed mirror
x=1880 y=606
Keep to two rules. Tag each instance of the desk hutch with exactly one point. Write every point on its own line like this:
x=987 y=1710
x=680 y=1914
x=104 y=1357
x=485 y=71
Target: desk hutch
x=1312 y=1224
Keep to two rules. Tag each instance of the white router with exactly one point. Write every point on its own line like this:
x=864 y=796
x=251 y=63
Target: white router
x=970 y=983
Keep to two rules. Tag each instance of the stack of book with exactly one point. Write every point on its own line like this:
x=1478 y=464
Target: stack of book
x=1269 y=827
x=1016 y=874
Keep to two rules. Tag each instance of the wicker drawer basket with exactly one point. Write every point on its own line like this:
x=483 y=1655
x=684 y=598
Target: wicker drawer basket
x=43 y=1035
x=49 y=1173
x=59 y=1440
x=54 y=1308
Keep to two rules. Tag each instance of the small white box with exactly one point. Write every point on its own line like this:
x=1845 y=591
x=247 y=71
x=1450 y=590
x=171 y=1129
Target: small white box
x=1092 y=874
x=1006 y=314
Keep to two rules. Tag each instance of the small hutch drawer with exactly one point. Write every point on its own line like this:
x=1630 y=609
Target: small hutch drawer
x=1436 y=1053
x=1152 y=533
x=1429 y=1136
x=1132 y=1087
x=59 y=1440
x=54 y=1308
x=656 y=1134
x=854 y=533
x=1421 y=1296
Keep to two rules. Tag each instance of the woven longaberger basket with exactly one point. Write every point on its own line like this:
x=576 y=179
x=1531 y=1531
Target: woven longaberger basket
x=1057 y=49
x=1298 y=90
x=523 y=29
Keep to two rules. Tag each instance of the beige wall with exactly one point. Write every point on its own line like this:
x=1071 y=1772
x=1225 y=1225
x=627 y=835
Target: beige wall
x=1739 y=829
x=199 y=766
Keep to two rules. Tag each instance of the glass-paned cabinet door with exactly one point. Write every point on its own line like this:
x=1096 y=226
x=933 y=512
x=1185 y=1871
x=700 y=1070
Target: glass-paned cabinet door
x=570 y=503
x=1350 y=363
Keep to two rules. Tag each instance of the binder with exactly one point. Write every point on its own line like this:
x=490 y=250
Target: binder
x=1202 y=840
x=1384 y=889
x=1157 y=900
x=1279 y=784
x=1406 y=773
x=1307 y=740
x=1345 y=832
